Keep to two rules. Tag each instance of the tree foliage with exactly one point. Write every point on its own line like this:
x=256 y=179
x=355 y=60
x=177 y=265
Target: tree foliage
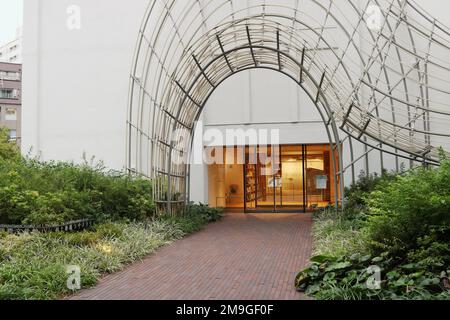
x=8 y=149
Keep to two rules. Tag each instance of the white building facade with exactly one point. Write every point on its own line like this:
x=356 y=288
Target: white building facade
x=77 y=58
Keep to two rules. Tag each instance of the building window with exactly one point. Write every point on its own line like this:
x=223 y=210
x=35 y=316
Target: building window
x=9 y=75
x=11 y=115
x=13 y=75
x=14 y=58
x=7 y=94
x=13 y=135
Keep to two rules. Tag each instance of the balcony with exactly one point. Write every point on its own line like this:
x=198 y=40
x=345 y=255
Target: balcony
x=11 y=76
x=9 y=94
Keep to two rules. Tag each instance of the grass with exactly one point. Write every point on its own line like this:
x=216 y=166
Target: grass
x=33 y=266
x=337 y=237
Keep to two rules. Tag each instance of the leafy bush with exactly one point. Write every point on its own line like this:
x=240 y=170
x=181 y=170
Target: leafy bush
x=356 y=195
x=41 y=193
x=409 y=208
x=398 y=223
x=205 y=212
x=350 y=279
x=32 y=192
x=8 y=149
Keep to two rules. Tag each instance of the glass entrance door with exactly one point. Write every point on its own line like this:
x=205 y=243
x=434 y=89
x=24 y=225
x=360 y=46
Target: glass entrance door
x=275 y=179
x=288 y=178
x=271 y=177
x=292 y=173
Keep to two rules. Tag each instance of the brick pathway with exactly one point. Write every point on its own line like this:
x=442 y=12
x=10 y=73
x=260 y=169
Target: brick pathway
x=241 y=257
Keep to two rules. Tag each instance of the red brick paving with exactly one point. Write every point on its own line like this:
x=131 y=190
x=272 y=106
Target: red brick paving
x=241 y=257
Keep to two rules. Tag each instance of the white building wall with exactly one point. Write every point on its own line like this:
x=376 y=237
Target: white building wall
x=75 y=86
x=263 y=99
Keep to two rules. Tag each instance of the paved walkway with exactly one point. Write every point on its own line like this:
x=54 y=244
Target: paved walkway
x=241 y=257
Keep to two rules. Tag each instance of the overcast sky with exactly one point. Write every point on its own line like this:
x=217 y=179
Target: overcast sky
x=11 y=16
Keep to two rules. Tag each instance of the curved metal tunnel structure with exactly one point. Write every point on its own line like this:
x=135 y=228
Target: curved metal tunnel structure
x=385 y=85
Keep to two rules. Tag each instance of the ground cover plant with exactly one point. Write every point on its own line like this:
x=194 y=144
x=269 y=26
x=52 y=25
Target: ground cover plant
x=395 y=227
x=34 y=265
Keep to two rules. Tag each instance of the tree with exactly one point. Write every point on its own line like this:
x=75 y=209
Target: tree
x=8 y=149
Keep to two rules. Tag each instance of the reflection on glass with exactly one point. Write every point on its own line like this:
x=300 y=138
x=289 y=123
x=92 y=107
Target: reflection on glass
x=291 y=191
x=320 y=187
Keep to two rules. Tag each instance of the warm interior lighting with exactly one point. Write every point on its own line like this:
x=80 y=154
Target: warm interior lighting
x=317 y=164
x=295 y=183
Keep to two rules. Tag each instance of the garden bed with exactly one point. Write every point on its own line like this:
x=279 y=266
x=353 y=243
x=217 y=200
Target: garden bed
x=391 y=242
x=34 y=265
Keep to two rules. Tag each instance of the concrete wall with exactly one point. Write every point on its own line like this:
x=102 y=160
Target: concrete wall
x=76 y=80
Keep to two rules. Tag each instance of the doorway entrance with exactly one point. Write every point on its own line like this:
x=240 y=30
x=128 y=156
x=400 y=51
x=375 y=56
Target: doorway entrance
x=278 y=184
x=284 y=179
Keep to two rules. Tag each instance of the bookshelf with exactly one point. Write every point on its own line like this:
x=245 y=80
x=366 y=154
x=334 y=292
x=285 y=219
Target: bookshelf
x=255 y=183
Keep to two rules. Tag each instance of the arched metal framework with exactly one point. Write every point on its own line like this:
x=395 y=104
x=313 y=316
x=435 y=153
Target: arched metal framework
x=386 y=85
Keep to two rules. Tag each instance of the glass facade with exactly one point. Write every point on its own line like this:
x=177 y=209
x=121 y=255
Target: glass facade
x=288 y=178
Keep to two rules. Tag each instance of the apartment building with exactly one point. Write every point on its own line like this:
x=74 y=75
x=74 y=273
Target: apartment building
x=12 y=51
x=10 y=99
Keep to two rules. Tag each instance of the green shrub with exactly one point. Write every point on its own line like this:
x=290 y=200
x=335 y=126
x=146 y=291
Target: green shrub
x=205 y=212
x=346 y=278
x=32 y=192
x=9 y=151
x=357 y=194
x=410 y=208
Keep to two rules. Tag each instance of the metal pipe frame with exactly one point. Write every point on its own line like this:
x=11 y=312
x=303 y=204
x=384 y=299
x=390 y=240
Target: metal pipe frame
x=385 y=89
